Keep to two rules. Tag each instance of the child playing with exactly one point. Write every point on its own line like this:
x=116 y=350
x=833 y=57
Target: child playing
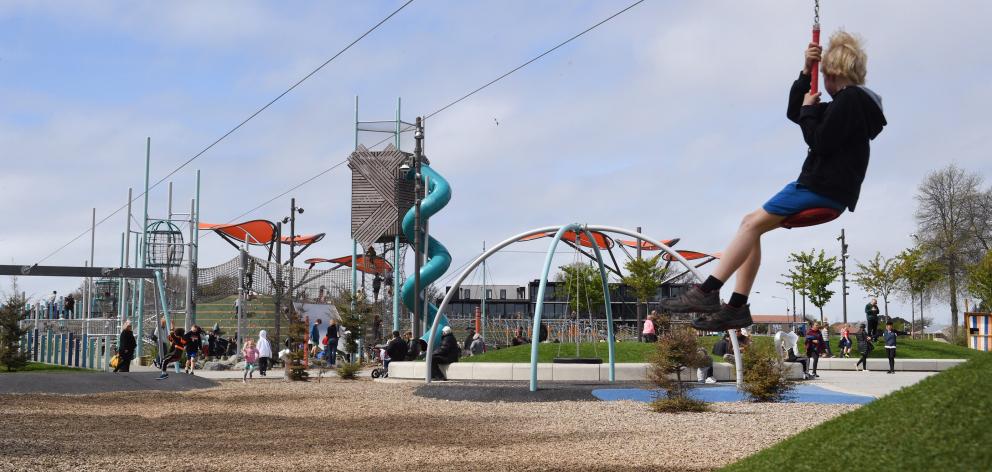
x=845 y=341
x=837 y=134
x=251 y=358
x=175 y=345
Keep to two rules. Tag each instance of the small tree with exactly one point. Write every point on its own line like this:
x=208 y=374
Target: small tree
x=644 y=276
x=822 y=272
x=676 y=350
x=879 y=278
x=583 y=286
x=798 y=276
x=356 y=315
x=10 y=334
x=980 y=282
x=765 y=376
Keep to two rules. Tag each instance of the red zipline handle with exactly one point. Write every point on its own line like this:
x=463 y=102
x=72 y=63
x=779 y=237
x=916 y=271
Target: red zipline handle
x=814 y=81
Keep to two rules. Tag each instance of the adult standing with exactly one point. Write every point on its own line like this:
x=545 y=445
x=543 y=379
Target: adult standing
x=264 y=352
x=447 y=353
x=865 y=346
x=890 y=346
x=125 y=349
x=467 y=344
x=70 y=305
x=331 y=354
x=871 y=316
x=314 y=341
x=814 y=345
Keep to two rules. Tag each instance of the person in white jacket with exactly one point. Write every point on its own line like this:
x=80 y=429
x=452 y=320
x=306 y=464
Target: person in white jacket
x=264 y=352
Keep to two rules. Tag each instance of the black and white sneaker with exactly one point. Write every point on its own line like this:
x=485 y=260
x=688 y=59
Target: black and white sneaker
x=163 y=376
x=694 y=300
x=729 y=317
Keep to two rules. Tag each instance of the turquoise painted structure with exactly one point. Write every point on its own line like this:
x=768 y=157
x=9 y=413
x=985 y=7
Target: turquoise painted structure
x=438 y=259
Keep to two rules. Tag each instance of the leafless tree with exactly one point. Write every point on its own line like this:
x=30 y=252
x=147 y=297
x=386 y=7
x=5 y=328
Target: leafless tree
x=953 y=221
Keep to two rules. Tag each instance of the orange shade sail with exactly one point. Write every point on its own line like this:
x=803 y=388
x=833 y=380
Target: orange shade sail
x=303 y=239
x=373 y=265
x=646 y=246
x=255 y=232
x=580 y=238
x=690 y=255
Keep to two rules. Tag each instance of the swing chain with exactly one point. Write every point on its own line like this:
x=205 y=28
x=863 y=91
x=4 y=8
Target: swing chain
x=816 y=13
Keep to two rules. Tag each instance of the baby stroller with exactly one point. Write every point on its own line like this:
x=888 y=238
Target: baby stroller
x=378 y=354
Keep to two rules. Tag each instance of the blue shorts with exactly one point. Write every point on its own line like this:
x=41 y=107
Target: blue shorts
x=795 y=198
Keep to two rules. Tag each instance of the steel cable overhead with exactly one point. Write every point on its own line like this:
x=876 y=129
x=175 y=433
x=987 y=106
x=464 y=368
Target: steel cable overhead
x=236 y=128
x=473 y=92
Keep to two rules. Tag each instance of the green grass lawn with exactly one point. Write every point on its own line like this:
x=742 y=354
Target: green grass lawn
x=39 y=367
x=626 y=352
x=941 y=423
x=637 y=352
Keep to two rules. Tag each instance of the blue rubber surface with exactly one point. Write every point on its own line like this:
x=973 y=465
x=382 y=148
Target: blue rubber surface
x=729 y=393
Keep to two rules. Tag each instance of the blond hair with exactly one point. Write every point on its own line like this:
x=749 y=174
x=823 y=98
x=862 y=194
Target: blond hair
x=845 y=57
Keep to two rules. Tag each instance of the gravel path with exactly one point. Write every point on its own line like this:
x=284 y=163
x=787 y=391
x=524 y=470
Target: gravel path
x=364 y=425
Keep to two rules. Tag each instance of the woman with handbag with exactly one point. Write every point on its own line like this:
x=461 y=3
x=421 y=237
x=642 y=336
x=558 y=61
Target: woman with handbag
x=125 y=349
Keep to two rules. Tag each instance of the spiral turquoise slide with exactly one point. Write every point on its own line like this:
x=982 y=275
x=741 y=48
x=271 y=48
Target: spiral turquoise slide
x=438 y=195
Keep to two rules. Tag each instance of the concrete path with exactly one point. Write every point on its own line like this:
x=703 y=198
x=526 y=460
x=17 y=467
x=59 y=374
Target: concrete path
x=874 y=383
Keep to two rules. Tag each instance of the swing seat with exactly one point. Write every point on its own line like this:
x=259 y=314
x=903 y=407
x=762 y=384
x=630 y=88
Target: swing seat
x=577 y=360
x=810 y=217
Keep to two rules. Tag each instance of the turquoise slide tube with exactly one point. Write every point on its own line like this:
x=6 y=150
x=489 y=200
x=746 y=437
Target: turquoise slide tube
x=439 y=260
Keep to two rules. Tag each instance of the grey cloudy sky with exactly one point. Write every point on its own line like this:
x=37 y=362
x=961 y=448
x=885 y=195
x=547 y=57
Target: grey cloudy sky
x=671 y=117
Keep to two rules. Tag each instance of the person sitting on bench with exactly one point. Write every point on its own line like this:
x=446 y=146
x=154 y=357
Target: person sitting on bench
x=447 y=353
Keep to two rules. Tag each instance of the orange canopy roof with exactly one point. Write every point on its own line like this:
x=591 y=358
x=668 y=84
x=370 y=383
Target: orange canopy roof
x=602 y=240
x=690 y=255
x=646 y=246
x=362 y=263
x=256 y=232
x=303 y=238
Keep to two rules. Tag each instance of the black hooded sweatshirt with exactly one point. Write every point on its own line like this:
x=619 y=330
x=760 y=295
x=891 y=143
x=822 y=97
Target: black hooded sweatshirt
x=837 y=134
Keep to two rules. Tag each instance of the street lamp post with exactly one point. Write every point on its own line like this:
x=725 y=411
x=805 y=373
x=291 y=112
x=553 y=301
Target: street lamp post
x=291 y=219
x=843 y=271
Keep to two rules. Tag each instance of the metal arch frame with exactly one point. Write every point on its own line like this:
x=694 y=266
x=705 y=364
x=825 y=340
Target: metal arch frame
x=496 y=248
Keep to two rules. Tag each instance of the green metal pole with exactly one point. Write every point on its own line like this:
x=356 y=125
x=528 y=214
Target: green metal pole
x=196 y=244
x=142 y=249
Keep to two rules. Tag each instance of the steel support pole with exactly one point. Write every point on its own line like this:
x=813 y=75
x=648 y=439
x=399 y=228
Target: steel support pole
x=141 y=248
x=396 y=282
x=417 y=243
x=482 y=310
x=279 y=289
x=191 y=275
x=242 y=269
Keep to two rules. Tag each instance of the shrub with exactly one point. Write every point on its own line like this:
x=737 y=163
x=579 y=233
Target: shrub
x=765 y=376
x=678 y=405
x=349 y=370
x=676 y=350
x=296 y=370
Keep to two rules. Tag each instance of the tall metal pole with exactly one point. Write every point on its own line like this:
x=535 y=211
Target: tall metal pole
x=123 y=312
x=242 y=268
x=843 y=270
x=89 y=284
x=418 y=151
x=396 y=239
x=354 y=242
x=191 y=263
x=170 y=200
x=120 y=285
x=640 y=329
x=142 y=249
x=196 y=242
x=292 y=252
x=482 y=325
x=279 y=289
